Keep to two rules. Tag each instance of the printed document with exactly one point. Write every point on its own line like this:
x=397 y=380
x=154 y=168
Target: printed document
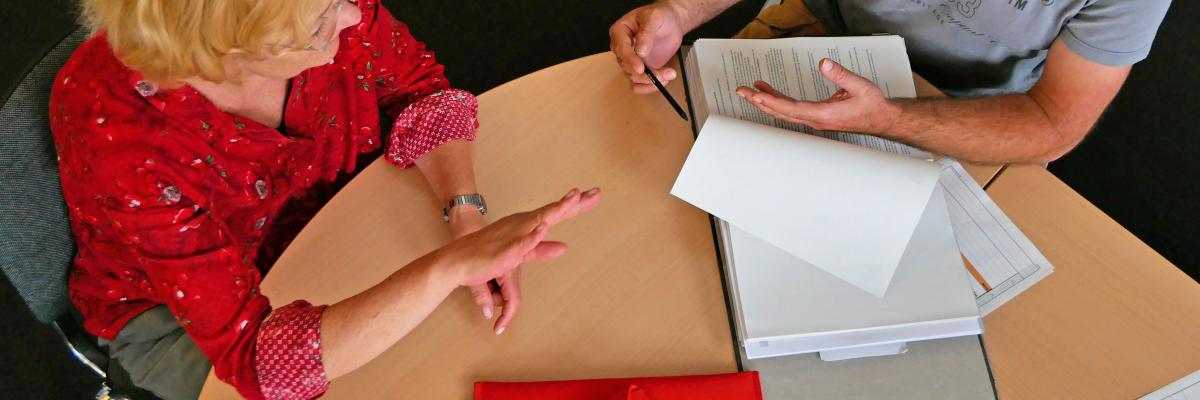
x=790 y=65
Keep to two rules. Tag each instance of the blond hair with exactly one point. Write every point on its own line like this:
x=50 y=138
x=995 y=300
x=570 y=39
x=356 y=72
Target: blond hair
x=170 y=40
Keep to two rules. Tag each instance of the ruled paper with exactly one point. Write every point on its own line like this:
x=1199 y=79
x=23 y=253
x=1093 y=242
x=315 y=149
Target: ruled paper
x=1002 y=261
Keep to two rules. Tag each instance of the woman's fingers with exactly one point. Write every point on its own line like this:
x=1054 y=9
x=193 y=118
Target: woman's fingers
x=572 y=205
x=527 y=242
x=497 y=298
x=545 y=251
x=520 y=237
x=524 y=244
x=510 y=290
x=482 y=294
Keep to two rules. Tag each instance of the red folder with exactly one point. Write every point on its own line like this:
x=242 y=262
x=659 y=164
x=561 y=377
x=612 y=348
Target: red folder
x=735 y=386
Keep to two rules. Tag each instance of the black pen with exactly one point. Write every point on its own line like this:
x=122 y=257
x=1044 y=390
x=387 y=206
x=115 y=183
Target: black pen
x=663 y=90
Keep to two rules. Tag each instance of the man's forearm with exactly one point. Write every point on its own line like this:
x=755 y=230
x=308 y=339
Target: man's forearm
x=693 y=13
x=1000 y=129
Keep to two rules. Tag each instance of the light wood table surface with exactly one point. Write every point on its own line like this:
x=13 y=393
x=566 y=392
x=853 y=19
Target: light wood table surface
x=1114 y=321
x=639 y=292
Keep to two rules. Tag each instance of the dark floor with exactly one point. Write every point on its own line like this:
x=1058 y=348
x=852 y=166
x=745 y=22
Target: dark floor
x=1136 y=166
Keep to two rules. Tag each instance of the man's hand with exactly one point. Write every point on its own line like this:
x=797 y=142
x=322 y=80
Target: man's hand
x=647 y=36
x=859 y=106
x=1034 y=127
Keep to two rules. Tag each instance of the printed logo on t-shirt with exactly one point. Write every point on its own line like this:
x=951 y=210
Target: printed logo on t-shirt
x=967 y=8
x=962 y=13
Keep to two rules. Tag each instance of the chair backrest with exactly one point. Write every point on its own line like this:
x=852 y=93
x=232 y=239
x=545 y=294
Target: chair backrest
x=36 y=246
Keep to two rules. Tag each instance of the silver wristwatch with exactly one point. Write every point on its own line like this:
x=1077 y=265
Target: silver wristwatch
x=474 y=199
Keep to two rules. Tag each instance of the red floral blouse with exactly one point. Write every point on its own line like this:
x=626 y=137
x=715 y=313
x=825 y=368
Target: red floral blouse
x=173 y=201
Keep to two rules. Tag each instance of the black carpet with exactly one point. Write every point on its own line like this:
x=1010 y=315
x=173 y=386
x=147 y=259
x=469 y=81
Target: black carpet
x=1137 y=166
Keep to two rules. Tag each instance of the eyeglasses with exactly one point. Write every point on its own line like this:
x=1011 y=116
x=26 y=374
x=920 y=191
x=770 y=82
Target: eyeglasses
x=326 y=31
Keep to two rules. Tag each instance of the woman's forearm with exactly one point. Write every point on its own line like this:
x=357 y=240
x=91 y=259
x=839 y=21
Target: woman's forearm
x=356 y=330
x=449 y=169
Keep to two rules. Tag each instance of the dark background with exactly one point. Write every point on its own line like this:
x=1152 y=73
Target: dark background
x=1137 y=165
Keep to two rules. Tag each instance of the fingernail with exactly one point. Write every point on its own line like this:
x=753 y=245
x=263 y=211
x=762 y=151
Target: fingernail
x=570 y=193
x=670 y=75
x=642 y=50
x=742 y=95
x=591 y=191
x=826 y=65
x=758 y=99
x=487 y=313
x=499 y=331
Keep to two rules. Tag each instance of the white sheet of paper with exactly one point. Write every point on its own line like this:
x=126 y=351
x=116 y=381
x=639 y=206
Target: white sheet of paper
x=848 y=210
x=790 y=65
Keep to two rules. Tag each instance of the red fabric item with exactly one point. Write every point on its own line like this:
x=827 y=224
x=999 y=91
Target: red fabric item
x=173 y=201
x=288 y=357
x=734 y=386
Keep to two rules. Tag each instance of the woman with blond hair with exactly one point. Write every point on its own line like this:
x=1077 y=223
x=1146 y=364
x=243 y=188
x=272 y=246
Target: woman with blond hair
x=197 y=137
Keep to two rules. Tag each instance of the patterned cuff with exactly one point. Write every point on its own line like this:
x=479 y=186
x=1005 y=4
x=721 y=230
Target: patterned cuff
x=431 y=121
x=288 y=353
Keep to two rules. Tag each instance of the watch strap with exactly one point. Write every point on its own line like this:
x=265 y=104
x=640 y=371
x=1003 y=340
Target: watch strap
x=473 y=199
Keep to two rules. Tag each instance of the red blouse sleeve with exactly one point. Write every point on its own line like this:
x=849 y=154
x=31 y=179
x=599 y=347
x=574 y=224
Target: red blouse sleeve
x=412 y=88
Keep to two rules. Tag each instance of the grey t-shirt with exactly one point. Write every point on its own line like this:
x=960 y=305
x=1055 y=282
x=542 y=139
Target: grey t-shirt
x=973 y=48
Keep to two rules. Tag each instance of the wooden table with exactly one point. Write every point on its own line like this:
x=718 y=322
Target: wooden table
x=1114 y=321
x=639 y=292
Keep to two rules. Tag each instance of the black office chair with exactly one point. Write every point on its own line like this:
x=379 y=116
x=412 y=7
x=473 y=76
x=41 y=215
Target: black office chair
x=36 y=246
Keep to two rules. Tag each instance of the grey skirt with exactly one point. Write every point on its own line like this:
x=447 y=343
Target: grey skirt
x=155 y=354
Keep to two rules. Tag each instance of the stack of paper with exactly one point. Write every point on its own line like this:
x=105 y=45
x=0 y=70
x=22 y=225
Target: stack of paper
x=789 y=306
x=829 y=245
x=845 y=209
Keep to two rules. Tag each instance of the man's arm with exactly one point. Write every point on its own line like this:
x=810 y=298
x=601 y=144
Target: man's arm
x=696 y=12
x=1036 y=127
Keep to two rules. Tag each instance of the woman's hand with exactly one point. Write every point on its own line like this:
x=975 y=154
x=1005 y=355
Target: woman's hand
x=496 y=251
x=505 y=290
